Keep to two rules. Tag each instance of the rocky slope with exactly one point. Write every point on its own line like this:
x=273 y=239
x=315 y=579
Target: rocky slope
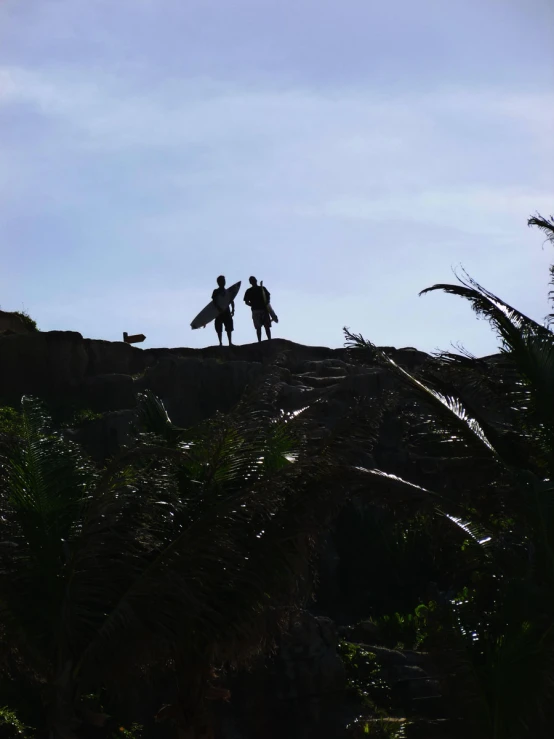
x=303 y=686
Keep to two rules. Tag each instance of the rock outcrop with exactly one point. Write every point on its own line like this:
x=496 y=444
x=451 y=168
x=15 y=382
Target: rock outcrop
x=297 y=693
x=64 y=368
x=12 y=323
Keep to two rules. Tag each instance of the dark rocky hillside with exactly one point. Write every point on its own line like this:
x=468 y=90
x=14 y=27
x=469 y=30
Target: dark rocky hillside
x=93 y=385
x=70 y=372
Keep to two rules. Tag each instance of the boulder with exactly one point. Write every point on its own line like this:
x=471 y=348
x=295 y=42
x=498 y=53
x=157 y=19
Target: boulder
x=299 y=693
x=307 y=663
x=114 y=357
x=42 y=363
x=107 y=393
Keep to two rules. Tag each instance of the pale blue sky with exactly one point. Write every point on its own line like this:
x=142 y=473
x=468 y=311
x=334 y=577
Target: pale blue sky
x=349 y=153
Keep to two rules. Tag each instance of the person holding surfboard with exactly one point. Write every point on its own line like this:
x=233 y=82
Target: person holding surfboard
x=257 y=297
x=225 y=317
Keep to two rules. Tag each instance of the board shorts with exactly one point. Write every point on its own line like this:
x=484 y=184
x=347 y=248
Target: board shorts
x=224 y=319
x=261 y=319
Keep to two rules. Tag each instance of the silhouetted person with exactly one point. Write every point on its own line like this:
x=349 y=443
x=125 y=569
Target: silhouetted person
x=225 y=318
x=257 y=297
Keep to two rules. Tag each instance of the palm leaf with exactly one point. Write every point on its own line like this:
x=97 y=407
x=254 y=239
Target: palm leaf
x=226 y=451
x=495 y=395
x=530 y=347
x=391 y=488
x=447 y=409
x=546 y=225
x=510 y=324
x=43 y=489
x=154 y=418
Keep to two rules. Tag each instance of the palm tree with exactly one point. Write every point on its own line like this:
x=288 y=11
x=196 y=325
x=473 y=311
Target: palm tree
x=546 y=225
x=184 y=554
x=489 y=423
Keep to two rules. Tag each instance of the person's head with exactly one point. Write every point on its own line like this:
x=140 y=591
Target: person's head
x=221 y=281
x=253 y=281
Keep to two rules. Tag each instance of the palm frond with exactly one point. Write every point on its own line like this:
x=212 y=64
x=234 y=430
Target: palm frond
x=154 y=418
x=516 y=394
x=530 y=347
x=44 y=487
x=45 y=477
x=229 y=450
x=396 y=489
x=449 y=410
x=510 y=324
x=546 y=225
x=393 y=489
x=493 y=393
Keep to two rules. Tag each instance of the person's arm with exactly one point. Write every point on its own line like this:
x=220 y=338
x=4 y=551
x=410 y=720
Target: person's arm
x=247 y=297
x=232 y=304
x=215 y=294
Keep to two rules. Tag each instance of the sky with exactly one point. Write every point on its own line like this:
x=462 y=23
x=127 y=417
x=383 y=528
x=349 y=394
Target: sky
x=348 y=153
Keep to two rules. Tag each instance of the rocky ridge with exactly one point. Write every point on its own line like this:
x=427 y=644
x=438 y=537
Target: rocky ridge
x=105 y=377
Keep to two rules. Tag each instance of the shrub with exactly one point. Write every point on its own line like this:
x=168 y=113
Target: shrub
x=27 y=320
x=11 y=726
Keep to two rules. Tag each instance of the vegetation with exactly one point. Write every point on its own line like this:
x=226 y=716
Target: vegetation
x=488 y=425
x=181 y=559
x=363 y=677
x=181 y=556
x=11 y=726
x=27 y=320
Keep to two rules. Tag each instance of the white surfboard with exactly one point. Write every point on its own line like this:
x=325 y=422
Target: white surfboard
x=211 y=311
x=268 y=306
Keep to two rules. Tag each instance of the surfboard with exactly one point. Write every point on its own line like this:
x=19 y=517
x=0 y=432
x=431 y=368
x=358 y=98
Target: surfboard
x=211 y=311
x=268 y=306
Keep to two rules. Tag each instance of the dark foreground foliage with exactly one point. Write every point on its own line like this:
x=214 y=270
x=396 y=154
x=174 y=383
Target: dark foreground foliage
x=487 y=427
x=184 y=557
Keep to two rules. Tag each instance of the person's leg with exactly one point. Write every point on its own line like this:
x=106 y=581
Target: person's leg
x=218 y=323
x=257 y=323
x=229 y=326
x=268 y=332
x=267 y=325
